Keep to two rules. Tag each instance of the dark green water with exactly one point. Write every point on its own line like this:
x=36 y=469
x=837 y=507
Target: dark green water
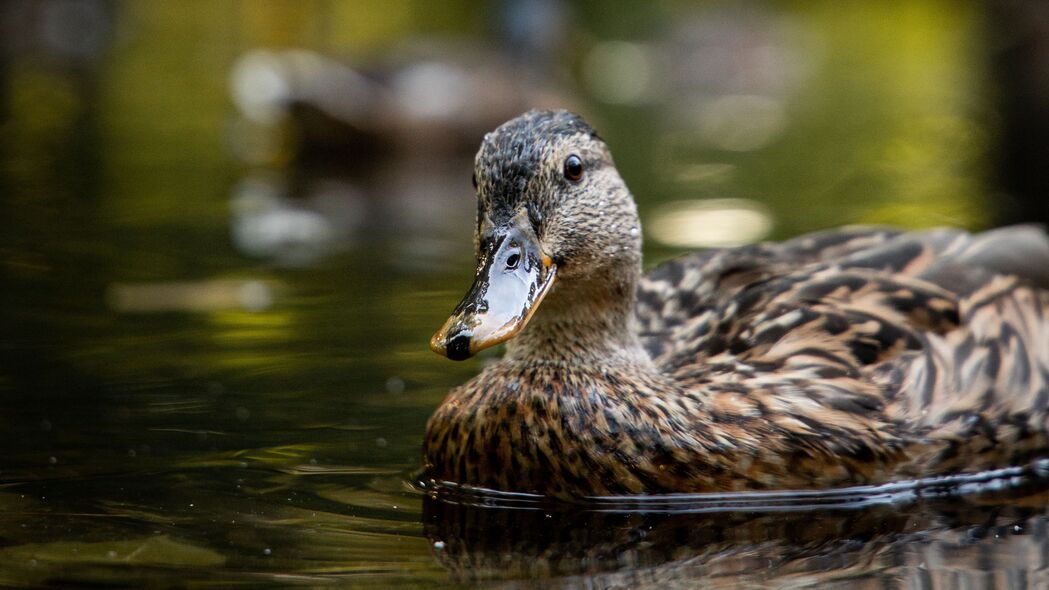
x=183 y=402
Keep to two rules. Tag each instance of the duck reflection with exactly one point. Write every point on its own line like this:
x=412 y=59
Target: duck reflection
x=938 y=544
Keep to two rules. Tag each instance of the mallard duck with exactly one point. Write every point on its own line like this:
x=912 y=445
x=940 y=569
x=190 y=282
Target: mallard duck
x=851 y=356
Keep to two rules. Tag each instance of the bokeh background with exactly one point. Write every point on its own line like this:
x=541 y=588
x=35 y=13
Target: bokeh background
x=229 y=228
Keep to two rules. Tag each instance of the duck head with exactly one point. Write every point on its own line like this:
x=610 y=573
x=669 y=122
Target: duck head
x=555 y=222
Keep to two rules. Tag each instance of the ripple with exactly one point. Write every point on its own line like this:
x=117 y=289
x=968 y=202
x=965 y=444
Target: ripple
x=853 y=497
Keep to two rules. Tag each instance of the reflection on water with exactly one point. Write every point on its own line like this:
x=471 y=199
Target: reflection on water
x=230 y=228
x=202 y=296
x=932 y=545
x=918 y=534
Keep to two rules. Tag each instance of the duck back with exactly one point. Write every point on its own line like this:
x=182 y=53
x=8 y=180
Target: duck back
x=944 y=333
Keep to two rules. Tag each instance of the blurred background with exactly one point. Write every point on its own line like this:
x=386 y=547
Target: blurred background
x=229 y=227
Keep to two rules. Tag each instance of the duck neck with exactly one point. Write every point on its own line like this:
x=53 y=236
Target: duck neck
x=585 y=322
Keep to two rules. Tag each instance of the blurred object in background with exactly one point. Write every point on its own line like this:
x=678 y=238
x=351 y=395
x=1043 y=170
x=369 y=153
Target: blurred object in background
x=200 y=296
x=434 y=94
x=381 y=149
x=293 y=232
x=710 y=223
x=1019 y=42
x=344 y=152
x=732 y=72
x=436 y=99
x=721 y=80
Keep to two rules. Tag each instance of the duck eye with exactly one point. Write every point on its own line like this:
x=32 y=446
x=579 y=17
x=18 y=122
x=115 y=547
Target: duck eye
x=574 y=168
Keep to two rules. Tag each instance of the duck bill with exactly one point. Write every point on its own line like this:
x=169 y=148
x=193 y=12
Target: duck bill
x=514 y=277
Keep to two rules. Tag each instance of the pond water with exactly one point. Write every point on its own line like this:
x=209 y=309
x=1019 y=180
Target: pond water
x=215 y=365
x=265 y=446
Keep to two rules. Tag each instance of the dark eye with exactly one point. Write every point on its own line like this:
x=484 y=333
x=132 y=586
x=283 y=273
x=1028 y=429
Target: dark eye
x=473 y=179
x=574 y=168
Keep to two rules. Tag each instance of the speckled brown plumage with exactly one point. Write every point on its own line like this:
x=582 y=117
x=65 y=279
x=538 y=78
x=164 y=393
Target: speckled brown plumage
x=851 y=356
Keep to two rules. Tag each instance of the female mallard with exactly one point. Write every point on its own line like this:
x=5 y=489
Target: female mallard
x=851 y=356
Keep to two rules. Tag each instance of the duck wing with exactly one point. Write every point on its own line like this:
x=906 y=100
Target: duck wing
x=679 y=292
x=943 y=333
x=983 y=387
x=692 y=305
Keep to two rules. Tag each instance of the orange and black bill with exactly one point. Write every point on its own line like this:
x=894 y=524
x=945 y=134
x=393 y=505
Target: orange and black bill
x=513 y=277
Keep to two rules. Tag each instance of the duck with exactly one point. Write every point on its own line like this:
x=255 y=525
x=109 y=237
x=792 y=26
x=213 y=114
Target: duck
x=850 y=356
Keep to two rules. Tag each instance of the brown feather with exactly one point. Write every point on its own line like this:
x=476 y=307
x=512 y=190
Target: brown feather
x=852 y=356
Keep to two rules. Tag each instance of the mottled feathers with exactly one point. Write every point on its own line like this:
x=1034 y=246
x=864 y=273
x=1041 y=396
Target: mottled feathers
x=947 y=331
x=859 y=355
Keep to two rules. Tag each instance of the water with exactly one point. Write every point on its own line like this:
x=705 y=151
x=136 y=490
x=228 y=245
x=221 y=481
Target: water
x=215 y=368
x=223 y=445
x=223 y=442
x=937 y=545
